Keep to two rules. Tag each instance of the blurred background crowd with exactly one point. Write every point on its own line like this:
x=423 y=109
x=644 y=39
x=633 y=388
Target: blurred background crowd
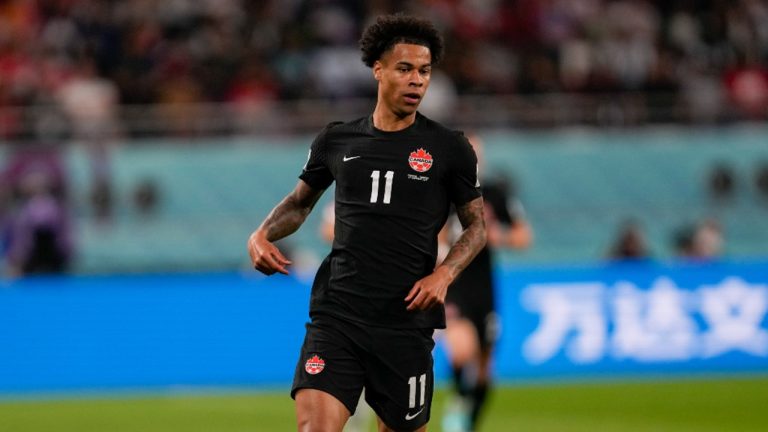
x=90 y=55
x=106 y=73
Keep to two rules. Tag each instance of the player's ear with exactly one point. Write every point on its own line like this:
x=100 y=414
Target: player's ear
x=377 y=67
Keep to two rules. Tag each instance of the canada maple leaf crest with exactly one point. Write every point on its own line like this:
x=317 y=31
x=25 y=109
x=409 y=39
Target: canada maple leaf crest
x=420 y=160
x=314 y=365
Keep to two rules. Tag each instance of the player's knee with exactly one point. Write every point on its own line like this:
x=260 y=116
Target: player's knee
x=314 y=413
x=313 y=424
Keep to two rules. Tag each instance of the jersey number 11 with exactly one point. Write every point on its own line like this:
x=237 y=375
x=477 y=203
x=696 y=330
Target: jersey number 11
x=389 y=175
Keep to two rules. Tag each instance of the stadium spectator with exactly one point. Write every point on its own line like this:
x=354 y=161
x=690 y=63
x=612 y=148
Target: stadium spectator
x=253 y=93
x=682 y=241
x=38 y=239
x=630 y=243
x=35 y=229
x=747 y=86
x=701 y=241
x=708 y=240
x=721 y=183
x=761 y=181
x=6 y=208
x=90 y=102
x=146 y=197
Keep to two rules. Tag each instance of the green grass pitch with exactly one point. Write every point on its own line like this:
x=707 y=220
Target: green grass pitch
x=674 y=405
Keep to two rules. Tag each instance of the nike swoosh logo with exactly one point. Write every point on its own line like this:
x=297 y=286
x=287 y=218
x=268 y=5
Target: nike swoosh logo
x=412 y=416
x=350 y=158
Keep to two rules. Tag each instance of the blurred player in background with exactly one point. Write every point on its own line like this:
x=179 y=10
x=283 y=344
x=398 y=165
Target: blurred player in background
x=378 y=296
x=472 y=321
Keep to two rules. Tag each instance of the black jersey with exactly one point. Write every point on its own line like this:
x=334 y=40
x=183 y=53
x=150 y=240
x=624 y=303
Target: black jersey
x=393 y=192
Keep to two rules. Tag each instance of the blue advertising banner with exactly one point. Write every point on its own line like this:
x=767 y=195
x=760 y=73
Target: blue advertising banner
x=635 y=317
x=150 y=331
x=233 y=330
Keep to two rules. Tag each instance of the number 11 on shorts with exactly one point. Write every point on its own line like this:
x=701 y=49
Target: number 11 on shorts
x=412 y=390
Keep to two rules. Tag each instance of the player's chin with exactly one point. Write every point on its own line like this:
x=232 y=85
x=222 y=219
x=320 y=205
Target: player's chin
x=408 y=109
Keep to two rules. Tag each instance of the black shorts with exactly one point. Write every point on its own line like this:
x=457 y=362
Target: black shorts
x=394 y=365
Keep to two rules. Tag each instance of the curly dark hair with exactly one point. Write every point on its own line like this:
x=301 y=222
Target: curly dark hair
x=389 y=30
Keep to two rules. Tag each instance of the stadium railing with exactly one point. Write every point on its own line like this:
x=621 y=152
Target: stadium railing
x=620 y=109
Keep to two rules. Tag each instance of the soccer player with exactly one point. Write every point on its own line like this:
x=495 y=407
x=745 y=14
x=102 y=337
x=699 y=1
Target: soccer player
x=378 y=296
x=472 y=322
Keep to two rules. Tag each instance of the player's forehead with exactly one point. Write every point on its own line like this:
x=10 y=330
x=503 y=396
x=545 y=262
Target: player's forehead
x=410 y=53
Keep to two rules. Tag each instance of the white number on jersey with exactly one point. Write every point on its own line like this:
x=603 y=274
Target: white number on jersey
x=388 y=176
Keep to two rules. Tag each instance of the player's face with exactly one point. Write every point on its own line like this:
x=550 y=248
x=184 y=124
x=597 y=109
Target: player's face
x=403 y=74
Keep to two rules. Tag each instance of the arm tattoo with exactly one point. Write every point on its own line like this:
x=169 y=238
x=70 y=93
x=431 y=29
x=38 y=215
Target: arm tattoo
x=290 y=213
x=471 y=240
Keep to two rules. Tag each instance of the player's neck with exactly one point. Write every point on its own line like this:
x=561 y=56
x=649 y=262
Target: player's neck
x=386 y=120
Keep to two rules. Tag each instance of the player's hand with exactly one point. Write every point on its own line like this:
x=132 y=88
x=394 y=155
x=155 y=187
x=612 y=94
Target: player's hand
x=429 y=291
x=265 y=256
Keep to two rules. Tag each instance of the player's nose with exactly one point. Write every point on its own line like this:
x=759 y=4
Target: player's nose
x=416 y=78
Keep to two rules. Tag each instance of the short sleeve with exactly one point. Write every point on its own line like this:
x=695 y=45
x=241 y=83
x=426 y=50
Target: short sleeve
x=316 y=172
x=463 y=183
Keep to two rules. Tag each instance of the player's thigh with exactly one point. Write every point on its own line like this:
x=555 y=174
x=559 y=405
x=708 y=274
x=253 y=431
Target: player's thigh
x=329 y=362
x=461 y=337
x=317 y=410
x=399 y=377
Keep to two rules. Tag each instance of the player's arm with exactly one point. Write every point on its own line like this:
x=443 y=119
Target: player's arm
x=470 y=242
x=431 y=290
x=518 y=236
x=283 y=220
x=444 y=241
x=509 y=229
